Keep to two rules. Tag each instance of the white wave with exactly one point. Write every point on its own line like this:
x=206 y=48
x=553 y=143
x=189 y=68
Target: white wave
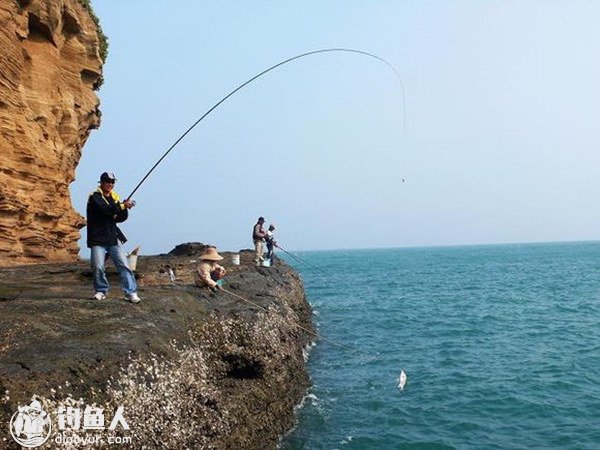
x=307 y=349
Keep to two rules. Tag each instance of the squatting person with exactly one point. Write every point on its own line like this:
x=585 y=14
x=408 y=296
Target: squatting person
x=209 y=273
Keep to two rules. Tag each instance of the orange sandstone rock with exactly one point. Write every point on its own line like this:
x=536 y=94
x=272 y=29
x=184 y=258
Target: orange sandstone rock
x=49 y=66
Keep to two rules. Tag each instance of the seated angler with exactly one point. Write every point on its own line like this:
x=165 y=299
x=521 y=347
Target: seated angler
x=209 y=273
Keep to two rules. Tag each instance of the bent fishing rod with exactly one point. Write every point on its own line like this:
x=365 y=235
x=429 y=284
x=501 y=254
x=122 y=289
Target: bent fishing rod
x=216 y=105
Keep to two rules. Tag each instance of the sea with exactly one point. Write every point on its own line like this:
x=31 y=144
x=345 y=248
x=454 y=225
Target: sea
x=500 y=345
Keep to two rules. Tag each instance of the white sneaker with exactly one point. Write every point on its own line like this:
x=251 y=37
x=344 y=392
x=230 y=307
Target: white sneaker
x=99 y=296
x=133 y=297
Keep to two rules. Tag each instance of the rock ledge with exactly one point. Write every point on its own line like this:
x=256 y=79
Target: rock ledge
x=193 y=369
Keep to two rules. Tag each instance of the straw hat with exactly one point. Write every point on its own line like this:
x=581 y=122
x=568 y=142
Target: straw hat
x=210 y=254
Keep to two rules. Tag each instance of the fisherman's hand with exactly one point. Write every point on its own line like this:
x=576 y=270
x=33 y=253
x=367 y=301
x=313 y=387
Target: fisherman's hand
x=129 y=204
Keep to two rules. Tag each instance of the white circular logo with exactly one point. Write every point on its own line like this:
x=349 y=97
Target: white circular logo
x=30 y=426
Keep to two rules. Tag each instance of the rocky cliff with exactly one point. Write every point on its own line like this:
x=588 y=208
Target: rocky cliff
x=50 y=64
x=192 y=369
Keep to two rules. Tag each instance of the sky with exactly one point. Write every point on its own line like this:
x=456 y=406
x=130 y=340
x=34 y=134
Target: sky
x=500 y=142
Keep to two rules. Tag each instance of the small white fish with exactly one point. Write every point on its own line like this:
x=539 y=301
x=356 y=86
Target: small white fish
x=402 y=380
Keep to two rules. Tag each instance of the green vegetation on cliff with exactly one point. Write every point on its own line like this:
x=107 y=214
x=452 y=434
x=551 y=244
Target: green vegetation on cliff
x=103 y=50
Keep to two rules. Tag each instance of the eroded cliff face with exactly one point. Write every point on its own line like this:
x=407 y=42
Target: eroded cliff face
x=49 y=66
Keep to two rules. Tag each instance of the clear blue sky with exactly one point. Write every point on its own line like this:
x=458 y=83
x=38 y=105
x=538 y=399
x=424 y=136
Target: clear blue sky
x=501 y=140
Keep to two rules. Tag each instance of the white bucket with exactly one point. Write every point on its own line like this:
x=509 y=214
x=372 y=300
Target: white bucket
x=132 y=261
x=265 y=263
x=235 y=259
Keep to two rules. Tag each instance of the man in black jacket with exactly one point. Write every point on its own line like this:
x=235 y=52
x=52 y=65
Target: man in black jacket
x=104 y=211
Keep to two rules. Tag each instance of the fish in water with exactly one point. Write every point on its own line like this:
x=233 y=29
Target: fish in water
x=402 y=380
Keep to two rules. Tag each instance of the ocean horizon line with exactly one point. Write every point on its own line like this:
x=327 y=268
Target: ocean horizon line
x=434 y=246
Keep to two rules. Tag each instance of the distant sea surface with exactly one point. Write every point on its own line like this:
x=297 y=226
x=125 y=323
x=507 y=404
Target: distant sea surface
x=501 y=346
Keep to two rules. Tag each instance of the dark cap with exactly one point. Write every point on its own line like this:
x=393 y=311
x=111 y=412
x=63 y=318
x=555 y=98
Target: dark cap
x=107 y=177
x=261 y=219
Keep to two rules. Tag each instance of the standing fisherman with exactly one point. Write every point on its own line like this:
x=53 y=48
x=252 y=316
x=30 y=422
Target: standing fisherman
x=258 y=237
x=104 y=211
x=271 y=242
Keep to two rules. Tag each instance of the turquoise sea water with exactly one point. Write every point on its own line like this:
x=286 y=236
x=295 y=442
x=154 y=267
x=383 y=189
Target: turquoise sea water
x=501 y=346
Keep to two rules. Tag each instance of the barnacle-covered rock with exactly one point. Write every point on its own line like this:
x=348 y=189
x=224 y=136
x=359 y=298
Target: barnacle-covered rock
x=191 y=368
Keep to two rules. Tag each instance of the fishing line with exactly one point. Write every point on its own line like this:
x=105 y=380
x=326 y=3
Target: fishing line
x=314 y=333
x=297 y=258
x=326 y=50
x=370 y=357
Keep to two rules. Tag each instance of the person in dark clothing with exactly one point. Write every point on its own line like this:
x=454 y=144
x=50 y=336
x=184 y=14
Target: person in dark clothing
x=104 y=211
x=271 y=242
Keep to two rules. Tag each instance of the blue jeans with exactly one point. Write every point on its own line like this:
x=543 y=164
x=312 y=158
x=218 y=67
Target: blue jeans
x=117 y=254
